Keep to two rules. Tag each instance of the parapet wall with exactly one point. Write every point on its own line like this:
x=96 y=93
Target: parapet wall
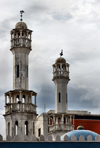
x=18 y=138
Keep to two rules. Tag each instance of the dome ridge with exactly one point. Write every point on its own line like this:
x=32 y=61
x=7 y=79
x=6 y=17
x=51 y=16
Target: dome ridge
x=60 y=60
x=21 y=25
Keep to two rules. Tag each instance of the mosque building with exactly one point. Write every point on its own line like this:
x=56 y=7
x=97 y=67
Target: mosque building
x=20 y=112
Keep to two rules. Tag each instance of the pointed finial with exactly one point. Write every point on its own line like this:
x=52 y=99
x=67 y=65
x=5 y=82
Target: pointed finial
x=61 y=54
x=21 y=12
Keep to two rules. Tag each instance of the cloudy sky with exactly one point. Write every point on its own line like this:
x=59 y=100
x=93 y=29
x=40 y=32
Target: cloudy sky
x=73 y=26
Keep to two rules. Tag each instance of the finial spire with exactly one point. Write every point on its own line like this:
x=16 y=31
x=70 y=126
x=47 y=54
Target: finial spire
x=21 y=12
x=61 y=54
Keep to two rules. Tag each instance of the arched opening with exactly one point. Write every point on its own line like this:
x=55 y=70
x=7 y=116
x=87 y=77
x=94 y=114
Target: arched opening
x=51 y=120
x=23 y=100
x=33 y=129
x=8 y=128
x=59 y=121
x=17 y=98
x=19 y=34
x=26 y=128
x=64 y=121
x=16 y=127
x=7 y=99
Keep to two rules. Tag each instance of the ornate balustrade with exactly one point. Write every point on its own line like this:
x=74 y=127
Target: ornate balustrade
x=21 y=42
x=20 y=107
x=61 y=127
x=60 y=74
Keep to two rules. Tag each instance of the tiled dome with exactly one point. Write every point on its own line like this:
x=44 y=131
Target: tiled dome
x=78 y=133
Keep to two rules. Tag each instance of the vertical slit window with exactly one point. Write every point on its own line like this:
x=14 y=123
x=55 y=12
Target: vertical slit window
x=48 y=129
x=66 y=97
x=17 y=71
x=16 y=128
x=26 y=128
x=27 y=71
x=33 y=128
x=39 y=132
x=8 y=128
x=59 y=97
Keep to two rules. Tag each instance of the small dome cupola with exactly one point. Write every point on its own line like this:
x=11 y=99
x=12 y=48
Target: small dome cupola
x=21 y=36
x=80 y=127
x=60 y=60
x=21 y=25
x=60 y=68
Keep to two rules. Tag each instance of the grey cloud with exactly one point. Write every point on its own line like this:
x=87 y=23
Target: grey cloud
x=62 y=17
x=82 y=98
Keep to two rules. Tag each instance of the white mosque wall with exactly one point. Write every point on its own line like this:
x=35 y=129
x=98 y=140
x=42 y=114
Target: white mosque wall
x=49 y=138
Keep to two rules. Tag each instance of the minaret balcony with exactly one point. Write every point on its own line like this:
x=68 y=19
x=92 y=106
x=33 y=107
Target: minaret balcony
x=21 y=42
x=61 y=127
x=62 y=74
x=20 y=107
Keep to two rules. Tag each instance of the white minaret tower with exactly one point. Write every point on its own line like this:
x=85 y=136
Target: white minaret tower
x=20 y=112
x=61 y=79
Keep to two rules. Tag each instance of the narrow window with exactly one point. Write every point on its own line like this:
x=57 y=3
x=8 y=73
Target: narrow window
x=16 y=127
x=64 y=120
x=27 y=71
x=39 y=132
x=33 y=128
x=59 y=96
x=18 y=34
x=8 y=128
x=26 y=128
x=66 y=97
x=48 y=129
x=59 y=122
x=48 y=121
x=17 y=71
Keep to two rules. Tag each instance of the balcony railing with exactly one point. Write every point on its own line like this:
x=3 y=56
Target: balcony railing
x=60 y=74
x=20 y=42
x=20 y=107
x=61 y=127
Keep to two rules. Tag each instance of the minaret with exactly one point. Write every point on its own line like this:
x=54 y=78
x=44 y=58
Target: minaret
x=61 y=79
x=20 y=112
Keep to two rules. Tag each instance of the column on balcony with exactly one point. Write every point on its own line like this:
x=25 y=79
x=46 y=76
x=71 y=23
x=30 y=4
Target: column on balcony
x=35 y=99
x=10 y=97
x=70 y=119
x=5 y=99
x=54 y=122
x=73 y=119
x=49 y=120
x=20 y=96
x=26 y=100
x=31 y=97
x=62 y=119
x=14 y=99
x=73 y=122
x=68 y=123
x=70 y=128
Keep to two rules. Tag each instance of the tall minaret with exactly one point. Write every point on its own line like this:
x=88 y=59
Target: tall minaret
x=20 y=112
x=61 y=79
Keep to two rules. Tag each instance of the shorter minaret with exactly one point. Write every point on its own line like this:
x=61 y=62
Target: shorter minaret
x=61 y=79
